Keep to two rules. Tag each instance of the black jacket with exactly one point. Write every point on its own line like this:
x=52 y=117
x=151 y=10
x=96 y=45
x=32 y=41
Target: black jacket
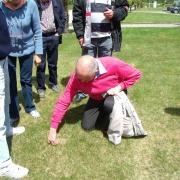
x=59 y=16
x=120 y=12
x=5 y=41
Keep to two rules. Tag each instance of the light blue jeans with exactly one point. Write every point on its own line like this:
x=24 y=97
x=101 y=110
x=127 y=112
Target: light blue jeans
x=99 y=47
x=4 y=110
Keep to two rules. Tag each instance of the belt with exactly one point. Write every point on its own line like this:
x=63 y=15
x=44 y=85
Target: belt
x=48 y=34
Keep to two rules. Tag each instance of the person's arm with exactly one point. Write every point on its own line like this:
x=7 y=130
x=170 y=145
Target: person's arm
x=128 y=75
x=114 y=90
x=5 y=41
x=120 y=10
x=61 y=15
x=36 y=28
x=79 y=18
x=60 y=109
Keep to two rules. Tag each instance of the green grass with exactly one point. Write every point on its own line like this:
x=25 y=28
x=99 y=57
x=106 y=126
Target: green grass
x=151 y=15
x=140 y=16
x=88 y=155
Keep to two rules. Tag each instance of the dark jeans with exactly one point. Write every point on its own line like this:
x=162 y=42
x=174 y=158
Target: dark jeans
x=26 y=64
x=50 y=51
x=96 y=114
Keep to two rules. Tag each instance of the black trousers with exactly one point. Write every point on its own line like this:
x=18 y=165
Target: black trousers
x=50 y=51
x=96 y=114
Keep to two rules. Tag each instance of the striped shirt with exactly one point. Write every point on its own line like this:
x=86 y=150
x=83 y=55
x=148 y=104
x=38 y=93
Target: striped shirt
x=100 y=25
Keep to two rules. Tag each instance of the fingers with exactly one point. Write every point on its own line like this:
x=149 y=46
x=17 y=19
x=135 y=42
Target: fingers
x=113 y=91
x=37 y=60
x=52 y=137
x=81 y=41
x=53 y=142
x=108 y=13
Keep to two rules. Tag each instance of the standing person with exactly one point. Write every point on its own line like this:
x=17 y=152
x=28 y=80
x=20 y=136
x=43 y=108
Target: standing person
x=52 y=24
x=94 y=21
x=97 y=24
x=7 y=167
x=26 y=39
x=102 y=79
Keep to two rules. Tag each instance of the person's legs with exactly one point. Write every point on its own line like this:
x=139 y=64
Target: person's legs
x=14 y=103
x=10 y=131
x=52 y=58
x=26 y=64
x=91 y=114
x=104 y=46
x=91 y=50
x=4 y=151
x=41 y=68
x=97 y=113
x=7 y=167
x=105 y=111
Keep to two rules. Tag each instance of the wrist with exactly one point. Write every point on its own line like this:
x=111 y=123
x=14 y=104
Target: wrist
x=119 y=88
x=53 y=129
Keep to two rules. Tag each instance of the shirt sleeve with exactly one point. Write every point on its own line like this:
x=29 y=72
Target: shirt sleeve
x=127 y=74
x=121 y=10
x=63 y=102
x=78 y=18
x=36 y=26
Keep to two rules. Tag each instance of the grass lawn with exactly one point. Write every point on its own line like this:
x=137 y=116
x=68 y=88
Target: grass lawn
x=88 y=155
x=140 y=16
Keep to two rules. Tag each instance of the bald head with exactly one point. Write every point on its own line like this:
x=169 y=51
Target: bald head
x=86 y=68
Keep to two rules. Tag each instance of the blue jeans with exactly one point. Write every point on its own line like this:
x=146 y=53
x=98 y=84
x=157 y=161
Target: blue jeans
x=4 y=110
x=50 y=51
x=99 y=47
x=26 y=65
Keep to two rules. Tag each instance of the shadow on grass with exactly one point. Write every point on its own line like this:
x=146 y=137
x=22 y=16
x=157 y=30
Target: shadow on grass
x=64 y=80
x=73 y=116
x=173 y=111
x=34 y=81
x=21 y=100
x=34 y=93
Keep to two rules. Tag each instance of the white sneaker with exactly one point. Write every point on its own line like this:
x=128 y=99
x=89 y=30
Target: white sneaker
x=35 y=114
x=15 y=131
x=13 y=171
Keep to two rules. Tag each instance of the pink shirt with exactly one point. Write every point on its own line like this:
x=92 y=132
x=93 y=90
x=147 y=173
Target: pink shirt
x=116 y=73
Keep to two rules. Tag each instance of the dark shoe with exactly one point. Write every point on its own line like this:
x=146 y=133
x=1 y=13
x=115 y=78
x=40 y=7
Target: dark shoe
x=79 y=97
x=55 y=88
x=41 y=93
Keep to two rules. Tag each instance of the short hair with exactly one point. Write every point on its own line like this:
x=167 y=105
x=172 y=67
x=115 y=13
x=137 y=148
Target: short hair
x=91 y=64
x=93 y=67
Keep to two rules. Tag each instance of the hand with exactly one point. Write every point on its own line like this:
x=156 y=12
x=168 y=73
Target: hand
x=114 y=91
x=109 y=13
x=81 y=41
x=52 y=139
x=37 y=59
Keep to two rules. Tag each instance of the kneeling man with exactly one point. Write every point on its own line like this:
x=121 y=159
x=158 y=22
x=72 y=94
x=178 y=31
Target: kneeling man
x=108 y=108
